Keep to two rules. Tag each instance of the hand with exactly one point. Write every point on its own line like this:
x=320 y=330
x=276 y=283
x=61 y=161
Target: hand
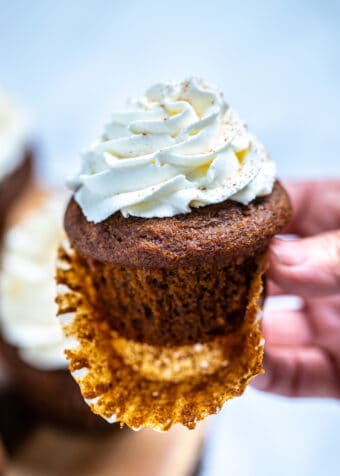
x=302 y=350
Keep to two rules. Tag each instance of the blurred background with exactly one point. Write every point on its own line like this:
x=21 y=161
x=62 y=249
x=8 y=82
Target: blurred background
x=278 y=62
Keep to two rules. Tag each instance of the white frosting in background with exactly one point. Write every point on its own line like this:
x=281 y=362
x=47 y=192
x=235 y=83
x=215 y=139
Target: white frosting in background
x=28 y=313
x=177 y=147
x=14 y=132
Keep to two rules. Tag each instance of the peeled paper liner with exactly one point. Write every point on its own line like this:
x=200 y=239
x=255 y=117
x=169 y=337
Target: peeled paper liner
x=147 y=386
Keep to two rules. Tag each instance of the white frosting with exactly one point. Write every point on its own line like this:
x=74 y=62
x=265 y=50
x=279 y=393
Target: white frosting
x=14 y=133
x=179 y=146
x=28 y=313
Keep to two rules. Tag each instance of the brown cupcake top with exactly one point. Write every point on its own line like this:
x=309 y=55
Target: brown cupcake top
x=207 y=234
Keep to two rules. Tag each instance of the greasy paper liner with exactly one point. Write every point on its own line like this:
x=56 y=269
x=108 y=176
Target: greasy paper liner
x=147 y=386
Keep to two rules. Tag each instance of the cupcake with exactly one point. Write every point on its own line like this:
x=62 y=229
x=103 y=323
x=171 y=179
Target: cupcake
x=163 y=266
x=15 y=154
x=31 y=338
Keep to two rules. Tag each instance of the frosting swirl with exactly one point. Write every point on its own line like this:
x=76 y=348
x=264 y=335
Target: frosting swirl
x=28 y=313
x=177 y=147
x=13 y=134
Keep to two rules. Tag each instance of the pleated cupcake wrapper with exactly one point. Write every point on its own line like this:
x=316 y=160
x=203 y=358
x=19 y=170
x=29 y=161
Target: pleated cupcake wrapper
x=141 y=385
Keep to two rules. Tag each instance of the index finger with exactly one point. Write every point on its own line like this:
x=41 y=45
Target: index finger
x=316 y=206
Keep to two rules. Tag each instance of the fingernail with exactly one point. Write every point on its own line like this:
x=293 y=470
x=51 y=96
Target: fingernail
x=287 y=252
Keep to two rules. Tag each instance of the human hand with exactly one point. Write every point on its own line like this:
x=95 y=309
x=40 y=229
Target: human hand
x=302 y=350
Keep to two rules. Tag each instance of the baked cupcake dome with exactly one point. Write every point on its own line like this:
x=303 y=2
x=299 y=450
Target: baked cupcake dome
x=182 y=279
x=16 y=154
x=13 y=184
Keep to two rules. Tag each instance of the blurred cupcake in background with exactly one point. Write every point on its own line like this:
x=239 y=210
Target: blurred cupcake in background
x=31 y=339
x=16 y=154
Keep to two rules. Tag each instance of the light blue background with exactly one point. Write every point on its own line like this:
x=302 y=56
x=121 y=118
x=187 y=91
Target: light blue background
x=73 y=62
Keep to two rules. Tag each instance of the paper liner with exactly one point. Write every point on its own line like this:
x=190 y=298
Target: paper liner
x=148 y=386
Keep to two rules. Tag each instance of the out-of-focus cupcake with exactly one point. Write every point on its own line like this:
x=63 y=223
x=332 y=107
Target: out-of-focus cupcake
x=16 y=154
x=31 y=339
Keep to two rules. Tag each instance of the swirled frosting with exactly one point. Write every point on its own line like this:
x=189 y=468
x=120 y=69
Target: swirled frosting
x=27 y=308
x=179 y=146
x=14 y=131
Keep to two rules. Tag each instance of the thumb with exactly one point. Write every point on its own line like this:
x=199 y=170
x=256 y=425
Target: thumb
x=308 y=267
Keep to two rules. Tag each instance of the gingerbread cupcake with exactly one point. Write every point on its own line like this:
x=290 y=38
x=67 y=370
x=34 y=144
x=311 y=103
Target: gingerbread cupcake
x=163 y=268
x=31 y=339
x=16 y=154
